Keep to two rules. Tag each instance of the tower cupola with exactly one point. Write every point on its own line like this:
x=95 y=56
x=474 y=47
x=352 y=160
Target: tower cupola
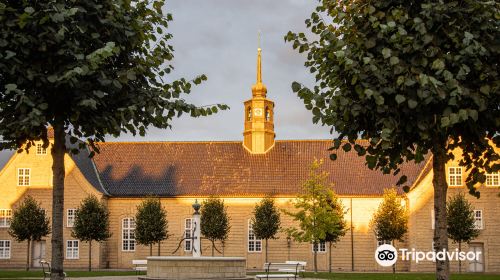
x=259 y=116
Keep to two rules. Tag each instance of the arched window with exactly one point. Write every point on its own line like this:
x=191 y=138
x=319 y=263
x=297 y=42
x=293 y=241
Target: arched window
x=268 y=114
x=249 y=113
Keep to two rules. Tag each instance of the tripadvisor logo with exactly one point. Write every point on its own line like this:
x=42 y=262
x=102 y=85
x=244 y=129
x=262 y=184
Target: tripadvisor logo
x=387 y=255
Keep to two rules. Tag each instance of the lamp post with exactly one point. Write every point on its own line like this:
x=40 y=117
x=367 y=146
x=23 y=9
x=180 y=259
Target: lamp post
x=196 y=230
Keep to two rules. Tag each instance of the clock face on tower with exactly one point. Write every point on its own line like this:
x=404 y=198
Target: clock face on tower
x=257 y=112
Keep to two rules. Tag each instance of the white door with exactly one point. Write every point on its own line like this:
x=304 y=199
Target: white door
x=38 y=253
x=476 y=265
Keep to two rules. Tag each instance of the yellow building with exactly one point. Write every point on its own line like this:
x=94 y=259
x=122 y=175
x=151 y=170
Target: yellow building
x=241 y=172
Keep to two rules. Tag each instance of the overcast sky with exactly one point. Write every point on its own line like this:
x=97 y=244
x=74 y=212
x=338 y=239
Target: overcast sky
x=218 y=38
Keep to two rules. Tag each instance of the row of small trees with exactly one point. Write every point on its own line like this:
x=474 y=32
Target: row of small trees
x=318 y=212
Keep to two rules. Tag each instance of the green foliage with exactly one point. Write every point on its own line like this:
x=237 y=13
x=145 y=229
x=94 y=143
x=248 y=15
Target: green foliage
x=460 y=218
x=390 y=222
x=214 y=221
x=340 y=226
x=319 y=212
x=266 y=220
x=91 y=221
x=29 y=222
x=151 y=225
x=409 y=77
x=98 y=67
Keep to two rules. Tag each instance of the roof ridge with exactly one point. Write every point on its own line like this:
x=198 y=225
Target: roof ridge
x=215 y=141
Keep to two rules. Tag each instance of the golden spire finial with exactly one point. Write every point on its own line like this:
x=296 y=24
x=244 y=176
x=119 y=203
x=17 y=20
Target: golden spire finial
x=259 y=63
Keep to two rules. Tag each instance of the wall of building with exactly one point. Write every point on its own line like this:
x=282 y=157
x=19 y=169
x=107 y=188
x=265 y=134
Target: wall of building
x=421 y=232
x=40 y=188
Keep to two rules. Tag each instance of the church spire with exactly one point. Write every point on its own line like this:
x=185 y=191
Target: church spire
x=259 y=89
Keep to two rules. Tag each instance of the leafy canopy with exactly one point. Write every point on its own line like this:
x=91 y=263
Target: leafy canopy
x=405 y=75
x=340 y=227
x=214 y=221
x=99 y=66
x=461 y=220
x=317 y=209
x=390 y=222
x=29 y=221
x=91 y=221
x=266 y=220
x=151 y=225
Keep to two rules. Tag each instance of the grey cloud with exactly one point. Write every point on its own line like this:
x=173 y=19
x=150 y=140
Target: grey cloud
x=219 y=38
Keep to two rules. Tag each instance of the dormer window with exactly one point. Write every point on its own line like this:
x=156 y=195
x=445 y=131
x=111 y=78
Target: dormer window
x=40 y=150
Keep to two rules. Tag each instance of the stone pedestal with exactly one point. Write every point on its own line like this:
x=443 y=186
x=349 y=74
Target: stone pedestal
x=196 y=268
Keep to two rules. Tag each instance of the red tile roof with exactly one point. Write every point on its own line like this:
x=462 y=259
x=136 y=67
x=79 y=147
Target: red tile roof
x=228 y=169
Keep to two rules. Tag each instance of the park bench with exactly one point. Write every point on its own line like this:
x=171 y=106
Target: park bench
x=140 y=265
x=302 y=267
x=292 y=270
x=47 y=269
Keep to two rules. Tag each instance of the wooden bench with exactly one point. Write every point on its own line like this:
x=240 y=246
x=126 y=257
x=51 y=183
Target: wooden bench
x=292 y=269
x=47 y=270
x=140 y=265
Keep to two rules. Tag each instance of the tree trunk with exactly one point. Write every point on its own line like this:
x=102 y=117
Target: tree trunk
x=440 y=189
x=159 y=242
x=330 y=257
x=58 y=152
x=213 y=248
x=28 y=256
x=459 y=260
x=266 y=250
x=90 y=255
x=315 y=259
x=150 y=249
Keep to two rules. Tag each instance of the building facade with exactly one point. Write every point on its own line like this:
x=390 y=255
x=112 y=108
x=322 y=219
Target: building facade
x=242 y=173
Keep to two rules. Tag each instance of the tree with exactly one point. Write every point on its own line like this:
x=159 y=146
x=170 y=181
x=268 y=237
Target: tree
x=266 y=220
x=409 y=78
x=390 y=222
x=214 y=221
x=315 y=213
x=91 y=223
x=29 y=223
x=151 y=225
x=461 y=222
x=338 y=229
x=88 y=69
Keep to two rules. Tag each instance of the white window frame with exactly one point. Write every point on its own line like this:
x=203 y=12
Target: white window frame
x=433 y=219
x=5 y=249
x=70 y=217
x=5 y=217
x=382 y=242
x=455 y=176
x=23 y=180
x=128 y=234
x=188 y=231
x=40 y=150
x=72 y=249
x=321 y=245
x=254 y=244
x=478 y=219
x=493 y=178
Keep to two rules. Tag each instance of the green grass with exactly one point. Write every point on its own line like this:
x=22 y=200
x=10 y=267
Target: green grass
x=13 y=274
x=397 y=276
x=390 y=276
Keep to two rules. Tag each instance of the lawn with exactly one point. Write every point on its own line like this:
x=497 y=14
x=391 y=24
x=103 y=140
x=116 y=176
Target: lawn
x=19 y=274
x=390 y=276
x=16 y=274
